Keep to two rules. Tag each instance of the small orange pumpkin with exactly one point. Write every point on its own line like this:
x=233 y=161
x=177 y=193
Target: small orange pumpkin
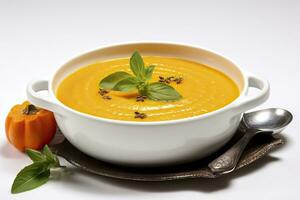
x=27 y=126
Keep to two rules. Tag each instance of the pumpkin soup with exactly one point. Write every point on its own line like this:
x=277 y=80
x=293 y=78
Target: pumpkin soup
x=187 y=89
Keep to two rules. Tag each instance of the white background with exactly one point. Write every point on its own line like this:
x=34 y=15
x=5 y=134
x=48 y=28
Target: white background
x=262 y=36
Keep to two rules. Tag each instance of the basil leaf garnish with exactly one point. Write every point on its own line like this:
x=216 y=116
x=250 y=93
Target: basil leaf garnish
x=161 y=92
x=37 y=173
x=149 y=71
x=31 y=177
x=110 y=81
x=35 y=156
x=126 y=85
x=125 y=82
x=137 y=65
x=51 y=158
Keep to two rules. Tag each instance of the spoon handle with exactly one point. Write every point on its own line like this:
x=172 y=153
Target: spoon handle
x=228 y=161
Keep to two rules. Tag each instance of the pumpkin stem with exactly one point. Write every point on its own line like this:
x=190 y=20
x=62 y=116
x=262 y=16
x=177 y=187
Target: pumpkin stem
x=30 y=110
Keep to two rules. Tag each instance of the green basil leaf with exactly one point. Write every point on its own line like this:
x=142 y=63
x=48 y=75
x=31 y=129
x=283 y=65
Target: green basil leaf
x=149 y=71
x=126 y=85
x=161 y=92
x=48 y=153
x=111 y=80
x=51 y=158
x=31 y=177
x=137 y=65
x=35 y=156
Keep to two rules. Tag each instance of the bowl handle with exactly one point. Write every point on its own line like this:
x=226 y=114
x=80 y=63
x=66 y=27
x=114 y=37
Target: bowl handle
x=44 y=101
x=248 y=102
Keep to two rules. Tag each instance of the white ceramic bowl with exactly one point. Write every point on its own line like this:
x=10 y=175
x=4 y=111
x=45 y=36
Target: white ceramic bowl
x=150 y=143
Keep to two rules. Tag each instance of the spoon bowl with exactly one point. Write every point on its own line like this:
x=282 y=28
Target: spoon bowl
x=268 y=120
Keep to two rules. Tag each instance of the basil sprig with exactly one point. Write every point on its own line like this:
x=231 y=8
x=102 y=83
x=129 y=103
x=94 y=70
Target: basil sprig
x=38 y=172
x=125 y=82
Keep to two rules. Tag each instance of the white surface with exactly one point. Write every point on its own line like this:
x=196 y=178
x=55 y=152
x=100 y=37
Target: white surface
x=262 y=36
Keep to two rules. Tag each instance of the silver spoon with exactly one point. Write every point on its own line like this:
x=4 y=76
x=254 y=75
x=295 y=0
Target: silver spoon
x=272 y=120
